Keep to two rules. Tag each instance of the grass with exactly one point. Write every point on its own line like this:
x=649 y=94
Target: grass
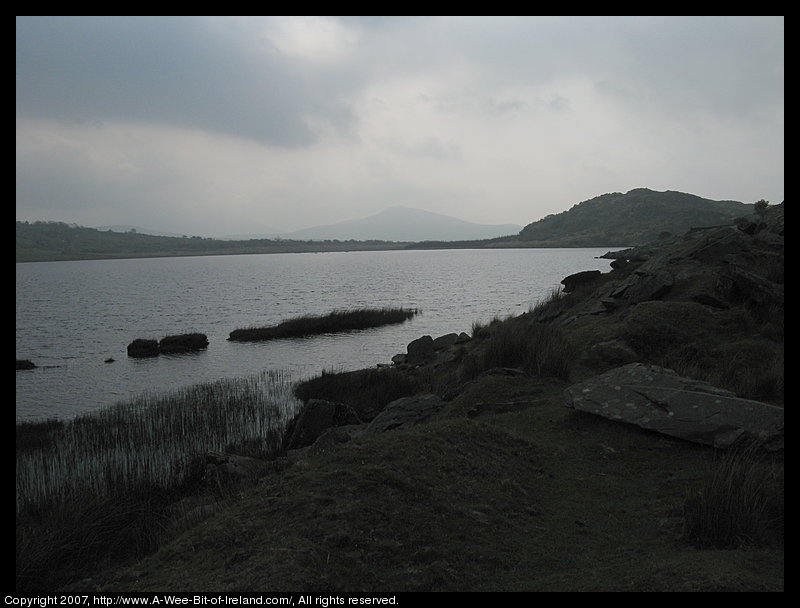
x=539 y=349
x=739 y=503
x=99 y=487
x=336 y=321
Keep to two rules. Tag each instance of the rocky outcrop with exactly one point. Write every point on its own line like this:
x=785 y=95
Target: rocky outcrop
x=660 y=400
x=573 y=281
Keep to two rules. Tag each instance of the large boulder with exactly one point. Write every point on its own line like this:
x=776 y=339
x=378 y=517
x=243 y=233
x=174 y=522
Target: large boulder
x=658 y=399
x=419 y=351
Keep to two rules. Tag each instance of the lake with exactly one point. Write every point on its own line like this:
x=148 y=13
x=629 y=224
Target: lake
x=73 y=316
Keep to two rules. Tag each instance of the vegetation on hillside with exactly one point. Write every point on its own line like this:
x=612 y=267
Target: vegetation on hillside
x=634 y=218
x=40 y=241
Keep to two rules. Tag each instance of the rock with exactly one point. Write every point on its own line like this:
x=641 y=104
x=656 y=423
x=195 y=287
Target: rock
x=463 y=337
x=183 y=343
x=573 y=281
x=419 y=351
x=399 y=359
x=25 y=364
x=641 y=286
x=314 y=418
x=143 y=348
x=658 y=399
x=405 y=412
x=445 y=341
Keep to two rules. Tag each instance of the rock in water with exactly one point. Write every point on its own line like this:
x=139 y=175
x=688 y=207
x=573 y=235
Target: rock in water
x=658 y=399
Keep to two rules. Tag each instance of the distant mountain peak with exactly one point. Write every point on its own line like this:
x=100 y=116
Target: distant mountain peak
x=400 y=223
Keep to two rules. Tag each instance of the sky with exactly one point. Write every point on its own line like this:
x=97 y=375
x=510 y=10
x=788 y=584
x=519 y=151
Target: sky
x=215 y=126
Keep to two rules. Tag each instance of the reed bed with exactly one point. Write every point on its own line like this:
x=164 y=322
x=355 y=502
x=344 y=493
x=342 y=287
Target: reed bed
x=153 y=439
x=334 y=322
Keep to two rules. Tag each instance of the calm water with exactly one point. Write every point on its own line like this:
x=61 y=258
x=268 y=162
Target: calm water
x=72 y=316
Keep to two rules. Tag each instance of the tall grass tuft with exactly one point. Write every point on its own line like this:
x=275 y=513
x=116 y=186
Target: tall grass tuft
x=100 y=484
x=540 y=349
x=740 y=502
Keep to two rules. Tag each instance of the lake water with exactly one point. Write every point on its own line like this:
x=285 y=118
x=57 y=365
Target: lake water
x=72 y=316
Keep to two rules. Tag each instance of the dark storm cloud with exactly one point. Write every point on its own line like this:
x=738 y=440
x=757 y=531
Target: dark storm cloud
x=209 y=74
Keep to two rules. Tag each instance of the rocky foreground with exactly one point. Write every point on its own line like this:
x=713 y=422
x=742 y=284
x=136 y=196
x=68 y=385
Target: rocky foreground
x=501 y=471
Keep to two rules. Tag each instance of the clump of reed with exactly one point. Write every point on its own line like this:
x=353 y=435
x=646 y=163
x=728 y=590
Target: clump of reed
x=740 y=501
x=82 y=485
x=336 y=321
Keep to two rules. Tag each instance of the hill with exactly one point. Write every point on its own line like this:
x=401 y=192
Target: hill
x=43 y=241
x=634 y=218
x=406 y=224
x=497 y=486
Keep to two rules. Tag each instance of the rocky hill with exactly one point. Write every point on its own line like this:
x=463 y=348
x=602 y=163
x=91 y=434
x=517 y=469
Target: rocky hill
x=634 y=218
x=473 y=462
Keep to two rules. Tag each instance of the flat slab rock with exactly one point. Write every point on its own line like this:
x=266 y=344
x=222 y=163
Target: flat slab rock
x=658 y=399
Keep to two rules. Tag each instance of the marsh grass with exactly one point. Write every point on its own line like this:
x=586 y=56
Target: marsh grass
x=98 y=486
x=740 y=501
x=334 y=322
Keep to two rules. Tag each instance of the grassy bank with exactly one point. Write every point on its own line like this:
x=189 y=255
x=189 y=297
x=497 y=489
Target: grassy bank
x=336 y=321
x=98 y=488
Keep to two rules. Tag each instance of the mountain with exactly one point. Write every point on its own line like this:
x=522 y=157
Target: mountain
x=408 y=225
x=634 y=218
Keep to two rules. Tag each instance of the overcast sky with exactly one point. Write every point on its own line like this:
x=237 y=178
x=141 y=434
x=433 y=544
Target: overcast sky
x=227 y=125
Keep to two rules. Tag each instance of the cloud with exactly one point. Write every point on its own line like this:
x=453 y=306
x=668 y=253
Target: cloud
x=192 y=124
